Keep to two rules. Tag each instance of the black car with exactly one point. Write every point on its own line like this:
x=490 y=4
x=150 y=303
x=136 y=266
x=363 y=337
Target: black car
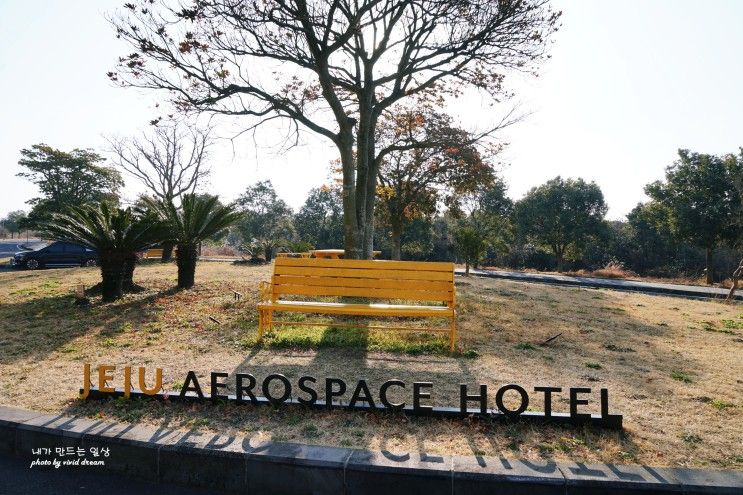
x=56 y=254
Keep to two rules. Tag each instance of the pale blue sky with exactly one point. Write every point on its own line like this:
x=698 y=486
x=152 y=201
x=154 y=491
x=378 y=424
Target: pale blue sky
x=629 y=83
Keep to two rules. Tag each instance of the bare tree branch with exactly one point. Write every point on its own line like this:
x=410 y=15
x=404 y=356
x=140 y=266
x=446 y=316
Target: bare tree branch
x=169 y=161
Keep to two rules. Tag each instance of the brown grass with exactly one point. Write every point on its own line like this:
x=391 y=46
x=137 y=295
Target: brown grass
x=219 y=251
x=672 y=366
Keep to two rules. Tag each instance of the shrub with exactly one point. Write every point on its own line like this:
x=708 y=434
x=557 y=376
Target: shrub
x=680 y=376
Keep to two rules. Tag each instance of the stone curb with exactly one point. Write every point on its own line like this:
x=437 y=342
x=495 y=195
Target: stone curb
x=246 y=465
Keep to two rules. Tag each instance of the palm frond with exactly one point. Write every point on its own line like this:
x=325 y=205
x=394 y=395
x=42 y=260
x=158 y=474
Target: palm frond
x=197 y=219
x=105 y=228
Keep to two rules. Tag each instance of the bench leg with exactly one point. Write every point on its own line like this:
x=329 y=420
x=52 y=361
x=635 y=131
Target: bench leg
x=265 y=322
x=453 y=334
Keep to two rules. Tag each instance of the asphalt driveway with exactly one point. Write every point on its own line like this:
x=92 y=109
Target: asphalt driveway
x=693 y=291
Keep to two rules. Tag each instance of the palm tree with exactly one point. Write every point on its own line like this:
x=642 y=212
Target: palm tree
x=197 y=219
x=115 y=233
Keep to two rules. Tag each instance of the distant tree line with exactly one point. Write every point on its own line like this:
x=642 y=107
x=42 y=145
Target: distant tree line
x=443 y=202
x=690 y=227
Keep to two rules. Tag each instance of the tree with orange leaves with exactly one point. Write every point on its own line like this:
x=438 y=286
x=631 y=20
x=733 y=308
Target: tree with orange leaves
x=434 y=163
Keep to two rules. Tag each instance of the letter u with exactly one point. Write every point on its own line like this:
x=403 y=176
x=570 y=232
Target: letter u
x=158 y=381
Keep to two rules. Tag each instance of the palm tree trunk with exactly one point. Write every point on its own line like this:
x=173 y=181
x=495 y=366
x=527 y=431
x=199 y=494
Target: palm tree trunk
x=167 y=252
x=130 y=262
x=112 y=271
x=186 y=265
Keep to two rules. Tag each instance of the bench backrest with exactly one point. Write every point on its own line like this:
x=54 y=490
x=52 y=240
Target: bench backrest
x=406 y=280
x=154 y=253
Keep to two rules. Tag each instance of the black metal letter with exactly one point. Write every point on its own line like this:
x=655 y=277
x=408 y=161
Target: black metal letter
x=309 y=390
x=383 y=394
x=604 y=403
x=482 y=398
x=266 y=387
x=499 y=400
x=216 y=385
x=330 y=393
x=187 y=387
x=418 y=395
x=575 y=402
x=548 y=398
x=240 y=388
x=367 y=397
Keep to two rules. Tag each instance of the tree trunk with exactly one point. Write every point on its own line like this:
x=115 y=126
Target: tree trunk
x=560 y=260
x=370 y=196
x=350 y=225
x=186 y=265
x=467 y=268
x=268 y=253
x=396 y=234
x=112 y=271
x=708 y=263
x=167 y=252
x=359 y=176
x=736 y=278
x=130 y=262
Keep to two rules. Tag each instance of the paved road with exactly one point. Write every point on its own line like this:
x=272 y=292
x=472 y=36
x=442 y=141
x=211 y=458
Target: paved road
x=10 y=246
x=606 y=283
x=17 y=479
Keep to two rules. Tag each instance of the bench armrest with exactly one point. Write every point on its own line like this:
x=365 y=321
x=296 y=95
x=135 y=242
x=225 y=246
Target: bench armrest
x=265 y=291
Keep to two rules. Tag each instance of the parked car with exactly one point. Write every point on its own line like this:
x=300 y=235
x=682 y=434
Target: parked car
x=56 y=254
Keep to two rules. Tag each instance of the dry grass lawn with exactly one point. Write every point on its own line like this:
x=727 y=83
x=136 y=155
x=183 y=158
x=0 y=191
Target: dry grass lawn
x=673 y=366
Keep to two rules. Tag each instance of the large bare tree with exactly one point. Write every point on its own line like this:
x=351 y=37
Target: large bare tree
x=170 y=160
x=330 y=66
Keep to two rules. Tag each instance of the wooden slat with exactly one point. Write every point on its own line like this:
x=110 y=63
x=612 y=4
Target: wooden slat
x=281 y=269
x=404 y=294
x=358 y=309
x=436 y=285
x=362 y=327
x=430 y=266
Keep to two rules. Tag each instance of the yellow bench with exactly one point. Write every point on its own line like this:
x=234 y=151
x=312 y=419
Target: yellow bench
x=153 y=253
x=411 y=281
x=292 y=255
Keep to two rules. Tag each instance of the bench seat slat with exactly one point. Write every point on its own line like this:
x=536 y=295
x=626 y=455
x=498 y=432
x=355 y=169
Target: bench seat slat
x=362 y=273
x=430 y=285
x=428 y=266
x=358 y=309
x=405 y=294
